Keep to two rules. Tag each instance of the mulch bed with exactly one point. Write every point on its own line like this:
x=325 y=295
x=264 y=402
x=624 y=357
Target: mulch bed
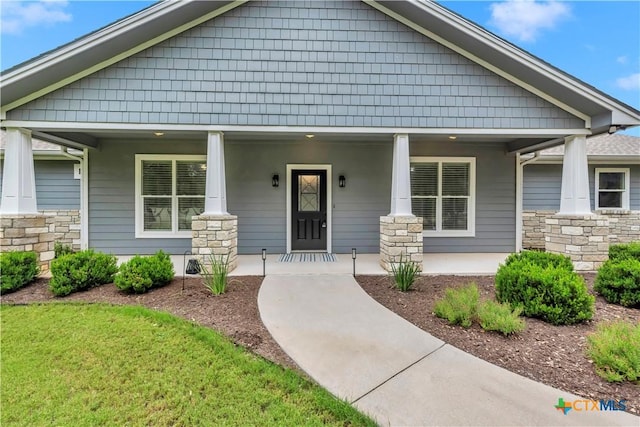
x=553 y=355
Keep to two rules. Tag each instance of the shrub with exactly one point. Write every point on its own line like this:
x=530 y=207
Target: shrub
x=60 y=249
x=214 y=274
x=545 y=287
x=17 y=269
x=404 y=274
x=459 y=306
x=618 y=281
x=500 y=317
x=628 y=250
x=140 y=274
x=543 y=259
x=615 y=351
x=81 y=271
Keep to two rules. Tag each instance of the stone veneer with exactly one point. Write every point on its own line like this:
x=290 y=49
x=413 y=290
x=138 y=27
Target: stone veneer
x=584 y=238
x=400 y=236
x=533 y=228
x=215 y=235
x=66 y=226
x=624 y=226
x=29 y=232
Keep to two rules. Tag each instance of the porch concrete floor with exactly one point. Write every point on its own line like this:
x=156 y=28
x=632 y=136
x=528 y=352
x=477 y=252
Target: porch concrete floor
x=366 y=264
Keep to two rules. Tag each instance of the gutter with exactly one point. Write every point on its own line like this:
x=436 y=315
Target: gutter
x=84 y=194
x=520 y=164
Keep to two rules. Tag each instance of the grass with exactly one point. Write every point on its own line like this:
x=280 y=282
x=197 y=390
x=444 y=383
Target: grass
x=615 y=351
x=75 y=364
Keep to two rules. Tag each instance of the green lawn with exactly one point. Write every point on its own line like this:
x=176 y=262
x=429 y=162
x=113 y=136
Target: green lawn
x=86 y=365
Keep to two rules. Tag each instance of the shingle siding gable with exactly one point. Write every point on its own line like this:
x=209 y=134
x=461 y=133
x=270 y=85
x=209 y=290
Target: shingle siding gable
x=300 y=64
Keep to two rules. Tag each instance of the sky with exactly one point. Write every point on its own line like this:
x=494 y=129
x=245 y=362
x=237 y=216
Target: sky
x=595 y=41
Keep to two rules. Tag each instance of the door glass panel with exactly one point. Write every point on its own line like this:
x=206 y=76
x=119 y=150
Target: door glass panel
x=308 y=193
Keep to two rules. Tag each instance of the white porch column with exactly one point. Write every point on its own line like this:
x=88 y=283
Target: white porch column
x=400 y=177
x=574 y=199
x=18 y=179
x=215 y=192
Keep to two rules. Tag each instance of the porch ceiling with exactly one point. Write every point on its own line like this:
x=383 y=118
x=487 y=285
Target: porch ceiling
x=92 y=138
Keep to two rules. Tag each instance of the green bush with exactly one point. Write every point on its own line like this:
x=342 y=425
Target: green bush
x=543 y=259
x=17 y=269
x=500 y=317
x=622 y=251
x=140 y=274
x=546 y=287
x=60 y=249
x=81 y=271
x=615 y=351
x=459 y=306
x=215 y=274
x=618 y=281
x=404 y=274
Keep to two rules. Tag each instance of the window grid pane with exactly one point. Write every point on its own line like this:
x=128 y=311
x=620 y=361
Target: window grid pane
x=455 y=179
x=187 y=208
x=611 y=181
x=191 y=178
x=157 y=213
x=157 y=178
x=610 y=199
x=454 y=213
x=424 y=179
x=425 y=207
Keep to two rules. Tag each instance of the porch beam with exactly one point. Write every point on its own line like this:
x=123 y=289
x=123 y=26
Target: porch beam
x=216 y=192
x=18 y=178
x=574 y=194
x=400 y=177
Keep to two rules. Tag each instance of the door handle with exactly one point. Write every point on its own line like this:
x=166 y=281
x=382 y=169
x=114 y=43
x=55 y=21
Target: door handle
x=324 y=220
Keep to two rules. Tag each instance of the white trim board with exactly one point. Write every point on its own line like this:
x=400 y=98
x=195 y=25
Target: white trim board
x=154 y=127
x=326 y=167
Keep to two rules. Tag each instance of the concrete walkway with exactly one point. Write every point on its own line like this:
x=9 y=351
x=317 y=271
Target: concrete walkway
x=397 y=373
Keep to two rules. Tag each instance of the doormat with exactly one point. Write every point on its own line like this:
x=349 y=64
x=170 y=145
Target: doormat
x=308 y=257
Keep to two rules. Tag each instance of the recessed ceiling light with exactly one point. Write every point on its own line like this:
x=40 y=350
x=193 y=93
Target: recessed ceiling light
x=158 y=133
x=310 y=135
x=453 y=137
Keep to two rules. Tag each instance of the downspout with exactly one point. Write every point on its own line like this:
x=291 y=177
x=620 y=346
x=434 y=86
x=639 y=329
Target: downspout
x=519 y=190
x=84 y=194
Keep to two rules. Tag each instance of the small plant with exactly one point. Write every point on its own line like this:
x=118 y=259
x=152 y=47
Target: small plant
x=140 y=274
x=80 y=271
x=618 y=281
x=500 y=317
x=60 y=249
x=404 y=274
x=626 y=250
x=459 y=306
x=615 y=351
x=17 y=269
x=214 y=273
x=545 y=286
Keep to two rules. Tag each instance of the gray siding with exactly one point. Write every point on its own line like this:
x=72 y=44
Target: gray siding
x=112 y=196
x=261 y=208
x=495 y=197
x=55 y=186
x=299 y=64
x=542 y=185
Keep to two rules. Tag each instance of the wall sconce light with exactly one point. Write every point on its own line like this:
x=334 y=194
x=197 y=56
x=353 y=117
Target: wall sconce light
x=275 y=180
x=342 y=181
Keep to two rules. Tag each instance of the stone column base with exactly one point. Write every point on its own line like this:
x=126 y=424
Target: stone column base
x=29 y=232
x=215 y=235
x=584 y=238
x=400 y=238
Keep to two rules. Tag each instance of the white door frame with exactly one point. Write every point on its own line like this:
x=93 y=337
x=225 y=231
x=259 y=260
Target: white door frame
x=327 y=168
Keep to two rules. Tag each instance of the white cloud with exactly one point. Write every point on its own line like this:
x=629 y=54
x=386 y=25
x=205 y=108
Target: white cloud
x=622 y=59
x=631 y=82
x=525 y=19
x=18 y=16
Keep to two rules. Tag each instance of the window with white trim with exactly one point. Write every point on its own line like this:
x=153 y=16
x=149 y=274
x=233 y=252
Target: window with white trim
x=170 y=189
x=612 y=188
x=443 y=194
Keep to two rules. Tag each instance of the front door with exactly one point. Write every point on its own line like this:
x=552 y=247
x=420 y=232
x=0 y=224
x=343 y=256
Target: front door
x=308 y=210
